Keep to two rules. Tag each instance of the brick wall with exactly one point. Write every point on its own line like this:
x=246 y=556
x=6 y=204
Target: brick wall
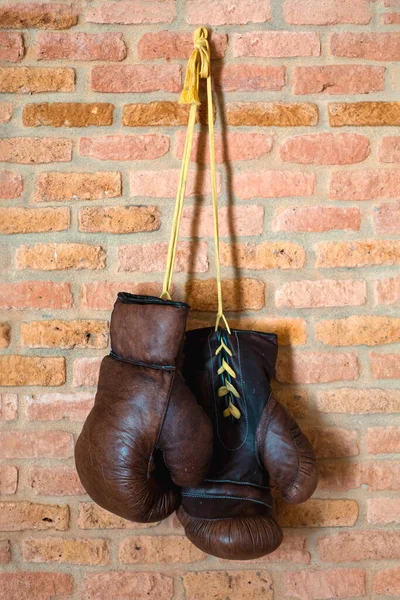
x=308 y=155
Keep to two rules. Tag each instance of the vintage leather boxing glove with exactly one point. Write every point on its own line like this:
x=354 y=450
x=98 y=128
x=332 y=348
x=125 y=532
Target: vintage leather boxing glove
x=230 y=514
x=146 y=434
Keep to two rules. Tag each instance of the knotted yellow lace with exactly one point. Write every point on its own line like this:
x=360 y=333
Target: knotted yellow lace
x=199 y=67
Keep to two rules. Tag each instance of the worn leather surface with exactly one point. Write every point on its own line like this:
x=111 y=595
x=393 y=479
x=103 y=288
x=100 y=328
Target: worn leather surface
x=230 y=515
x=146 y=434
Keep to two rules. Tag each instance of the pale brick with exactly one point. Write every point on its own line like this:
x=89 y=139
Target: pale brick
x=36 y=444
x=38 y=15
x=52 y=257
x=126 y=586
x=55 y=481
x=5 y=552
x=387 y=291
x=338 y=79
x=172 y=45
x=383 y=475
x=232 y=146
x=19 y=516
x=365 y=185
x=64 y=334
x=383 y=440
x=191 y=257
x=31 y=370
x=227 y=12
x=326 y=149
x=6 y=112
x=197 y=221
x=323 y=585
x=318 y=513
x=271 y=114
x=157 y=549
x=67 y=114
x=86 y=371
x=267 y=255
x=321 y=293
x=126 y=12
x=57 y=406
x=328 y=12
x=389 y=149
x=235 y=585
x=364 y=113
x=29 y=151
x=11 y=46
x=136 y=78
x=358 y=330
x=383 y=511
x=316 y=218
x=35 y=295
x=52 y=187
x=125 y=147
x=366 y=253
x=333 y=442
x=164 y=183
x=238 y=294
x=78 y=551
x=119 y=219
x=8 y=407
x=8 y=480
x=355 y=401
x=235 y=78
x=359 y=545
x=11 y=185
x=366 y=45
x=387 y=218
x=33 y=220
x=34 y=80
x=293 y=549
x=273 y=184
x=101 y=295
x=276 y=44
x=81 y=46
x=384 y=366
x=92 y=516
x=316 y=367
x=387 y=582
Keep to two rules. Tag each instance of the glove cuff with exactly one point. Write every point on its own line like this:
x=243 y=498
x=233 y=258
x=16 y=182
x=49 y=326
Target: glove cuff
x=146 y=329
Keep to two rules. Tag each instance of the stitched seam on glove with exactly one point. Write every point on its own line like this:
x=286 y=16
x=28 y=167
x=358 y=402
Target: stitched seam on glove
x=211 y=497
x=261 y=487
x=139 y=363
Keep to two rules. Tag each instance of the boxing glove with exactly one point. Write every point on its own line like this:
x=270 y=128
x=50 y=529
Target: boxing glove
x=146 y=434
x=230 y=515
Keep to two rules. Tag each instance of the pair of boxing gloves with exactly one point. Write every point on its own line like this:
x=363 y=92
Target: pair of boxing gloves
x=187 y=421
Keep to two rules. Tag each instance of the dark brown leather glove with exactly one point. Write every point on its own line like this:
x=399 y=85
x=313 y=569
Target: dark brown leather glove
x=230 y=514
x=146 y=434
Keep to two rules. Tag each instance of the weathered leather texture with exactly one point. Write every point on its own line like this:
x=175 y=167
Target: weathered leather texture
x=230 y=515
x=146 y=434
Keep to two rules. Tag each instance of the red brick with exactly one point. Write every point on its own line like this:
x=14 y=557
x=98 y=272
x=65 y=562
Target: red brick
x=19 y=516
x=333 y=442
x=40 y=585
x=125 y=147
x=322 y=585
x=233 y=221
x=383 y=440
x=358 y=330
x=390 y=19
x=5 y=552
x=271 y=114
x=192 y=257
x=130 y=13
x=355 y=401
x=227 y=12
x=383 y=475
x=339 y=476
x=318 y=513
x=316 y=218
x=366 y=45
x=273 y=184
x=11 y=46
x=267 y=255
x=136 y=78
x=329 y=12
x=36 y=295
x=101 y=295
x=77 y=551
x=36 y=444
x=235 y=78
x=316 y=367
x=158 y=549
x=384 y=366
x=359 y=545
x=31 y=80
x=235 y=585
x=387 y=291
x=321 y=293
x=57 y=406
x=172 y=45
x=8 y=480
x=238 y=294
x=53 y=257
x=8 y=407
x=164 y=183
x=86 y=371
x=55 y=481
x=276 y=44
x=119 y=219
x=33 y=220
x=233 y=146
x=357 y=254
x=389 y=149
x=31 y=370
x=80 y=46
x=64 y=334
x=387 y=218
x=365 y=185
x=11 y=185
x=35 y=150
x=125 y=586
x=338 y=79
x=16 y=15
x=387 y=582
x=67 y=114
x=293 y=549
x=5 y=335
x=55 y=186
x=92 y=516
x=294 y=399
x=6 y=111
x=326 y=149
